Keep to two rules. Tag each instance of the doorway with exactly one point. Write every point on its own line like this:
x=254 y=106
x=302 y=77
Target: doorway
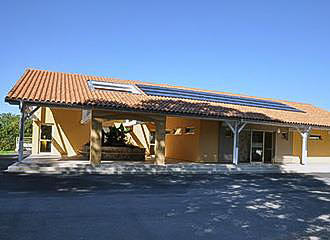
x=46 y=138
x=261 y=147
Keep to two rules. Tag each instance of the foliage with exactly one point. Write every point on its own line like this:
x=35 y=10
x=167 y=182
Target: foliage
x=6 y=152
x=9 y=129
x=115 y=136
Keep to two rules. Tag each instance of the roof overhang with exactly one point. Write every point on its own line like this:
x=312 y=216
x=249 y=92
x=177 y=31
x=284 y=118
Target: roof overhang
x=159 y=113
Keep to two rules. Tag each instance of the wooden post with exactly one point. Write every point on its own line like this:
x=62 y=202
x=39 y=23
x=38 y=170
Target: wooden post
x=160 y=141
x=21 y=132
x=95 y=141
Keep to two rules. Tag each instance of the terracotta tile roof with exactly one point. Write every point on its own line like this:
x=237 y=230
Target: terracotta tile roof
x=41 y=86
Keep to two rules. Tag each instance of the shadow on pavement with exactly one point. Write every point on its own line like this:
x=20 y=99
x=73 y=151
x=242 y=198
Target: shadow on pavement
x=254 y=206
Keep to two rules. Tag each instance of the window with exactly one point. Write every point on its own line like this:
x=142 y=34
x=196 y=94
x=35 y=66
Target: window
x=46 y=138
x=315 y=137
x=189 y=130
x=117 y=87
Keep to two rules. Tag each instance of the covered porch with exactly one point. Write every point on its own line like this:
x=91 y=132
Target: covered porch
x=176 y=139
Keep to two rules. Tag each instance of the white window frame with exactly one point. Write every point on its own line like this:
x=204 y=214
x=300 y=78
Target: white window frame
x=51 y=141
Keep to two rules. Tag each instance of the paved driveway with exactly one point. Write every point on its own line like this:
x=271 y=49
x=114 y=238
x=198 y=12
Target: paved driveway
x=269 y=206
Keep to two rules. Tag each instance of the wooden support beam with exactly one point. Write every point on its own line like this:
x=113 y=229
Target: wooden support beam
x=160 y=141
x=21 y=132
x=95 y=141
x=33 y=111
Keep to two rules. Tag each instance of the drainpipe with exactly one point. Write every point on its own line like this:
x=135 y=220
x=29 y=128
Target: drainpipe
x=21 y=132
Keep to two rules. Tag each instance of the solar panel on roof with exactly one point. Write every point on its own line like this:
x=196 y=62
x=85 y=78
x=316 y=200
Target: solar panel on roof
x=214 y=97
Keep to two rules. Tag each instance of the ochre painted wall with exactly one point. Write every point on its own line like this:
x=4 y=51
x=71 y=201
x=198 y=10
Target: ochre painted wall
x=202 y=146
x=317 y=149
x=182 y=147
x=209 y=141
x=284 y=149
x=140 y=136
x=69 y=135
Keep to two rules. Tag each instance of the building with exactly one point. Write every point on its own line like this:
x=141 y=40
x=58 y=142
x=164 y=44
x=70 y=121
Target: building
x=173 y=123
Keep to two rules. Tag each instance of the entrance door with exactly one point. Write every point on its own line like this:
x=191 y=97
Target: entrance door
x=45 y=139
x=261 y=147
x=257 y=146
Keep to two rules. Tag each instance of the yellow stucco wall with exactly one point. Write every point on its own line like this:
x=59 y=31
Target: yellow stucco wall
x=202 y=146
x=284 y=149
x=209 y=141
x=182 y=147
x=140 y=136
x=318 y=150
x=69 y=135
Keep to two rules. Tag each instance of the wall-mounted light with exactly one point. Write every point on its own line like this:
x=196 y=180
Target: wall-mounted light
x=278 y=130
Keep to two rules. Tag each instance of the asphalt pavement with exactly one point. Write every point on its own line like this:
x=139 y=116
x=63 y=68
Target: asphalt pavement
x=253 y=206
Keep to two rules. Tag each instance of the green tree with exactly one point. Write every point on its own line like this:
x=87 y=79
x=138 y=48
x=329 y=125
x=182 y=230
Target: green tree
x=9 y=129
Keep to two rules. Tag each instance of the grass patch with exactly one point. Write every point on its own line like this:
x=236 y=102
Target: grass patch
x=7 y=152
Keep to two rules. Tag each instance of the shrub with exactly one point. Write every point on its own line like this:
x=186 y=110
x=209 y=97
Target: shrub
x=115 y=136
x=9 y=130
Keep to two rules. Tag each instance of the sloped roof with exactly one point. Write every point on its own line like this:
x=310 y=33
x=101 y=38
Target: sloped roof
x=57 y=88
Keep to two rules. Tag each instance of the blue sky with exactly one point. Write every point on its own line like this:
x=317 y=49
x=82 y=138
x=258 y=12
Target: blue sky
x=278 y=49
